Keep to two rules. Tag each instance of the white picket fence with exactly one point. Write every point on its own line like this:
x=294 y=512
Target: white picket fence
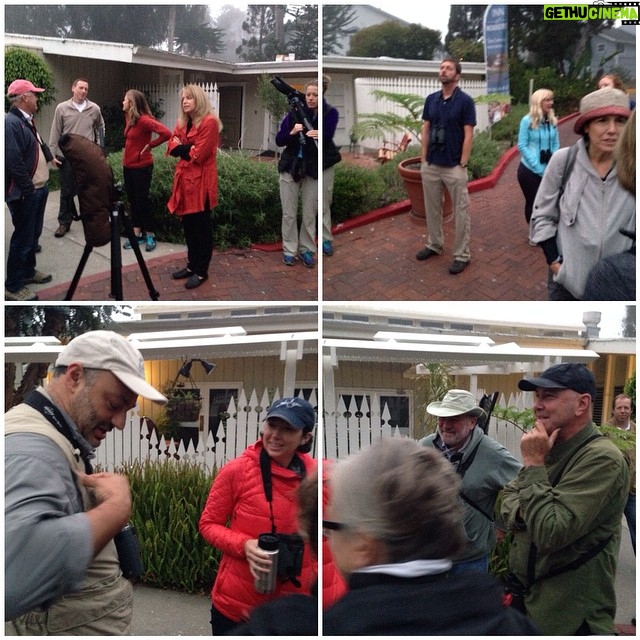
x=139 y=441
x=168 y=97
x=351 y=428
x=366 y=102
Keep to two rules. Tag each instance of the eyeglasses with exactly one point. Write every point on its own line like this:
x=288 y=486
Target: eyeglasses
x=330 y=525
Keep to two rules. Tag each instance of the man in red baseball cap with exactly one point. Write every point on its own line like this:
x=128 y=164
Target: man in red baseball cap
x=26 y=175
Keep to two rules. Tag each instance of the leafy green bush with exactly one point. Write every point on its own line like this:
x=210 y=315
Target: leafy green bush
x=168 y=498
x=485 y=154
x=21 y=63
x=356 y=190
x=248 y=210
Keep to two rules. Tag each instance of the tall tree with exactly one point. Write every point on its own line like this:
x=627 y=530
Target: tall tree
x=335 y=26
x=188 y=27
x=466 y=23
x=302 y=34
x=269 y=33
x=392 y=39
x=62 y=322
x=629 y=322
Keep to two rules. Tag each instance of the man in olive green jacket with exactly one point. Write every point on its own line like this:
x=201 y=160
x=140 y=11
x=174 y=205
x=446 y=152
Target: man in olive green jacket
x=565 y=508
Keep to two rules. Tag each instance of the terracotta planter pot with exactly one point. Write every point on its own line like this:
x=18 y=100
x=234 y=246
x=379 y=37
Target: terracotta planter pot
x=410 y=171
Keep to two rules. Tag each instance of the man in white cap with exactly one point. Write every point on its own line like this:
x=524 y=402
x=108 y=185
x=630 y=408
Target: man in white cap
x=62 y=573
x=483 y=465
x=26 y=174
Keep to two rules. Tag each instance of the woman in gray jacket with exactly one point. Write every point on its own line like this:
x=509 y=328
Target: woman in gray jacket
x=581 y=208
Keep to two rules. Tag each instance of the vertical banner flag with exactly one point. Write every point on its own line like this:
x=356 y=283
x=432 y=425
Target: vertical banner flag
x=496 y=55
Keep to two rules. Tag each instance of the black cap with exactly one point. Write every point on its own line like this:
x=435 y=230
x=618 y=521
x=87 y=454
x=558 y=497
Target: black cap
x=576 y=377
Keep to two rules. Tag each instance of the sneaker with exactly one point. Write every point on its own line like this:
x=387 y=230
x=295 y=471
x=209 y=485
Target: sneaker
x=22 y=295
x=288 y=260
x=327 y=248
x=425 y=254
x=307 y=258
x=458 y=267
x=151 y=243
x=39 y=278
x=141 y=240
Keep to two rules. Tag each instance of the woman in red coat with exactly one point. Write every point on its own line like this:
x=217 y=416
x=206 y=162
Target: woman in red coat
x=137 y=163
x=195 y=184
x=237 y=512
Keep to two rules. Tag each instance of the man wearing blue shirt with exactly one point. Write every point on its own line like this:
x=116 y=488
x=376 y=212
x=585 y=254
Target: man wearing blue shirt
x=448 y=120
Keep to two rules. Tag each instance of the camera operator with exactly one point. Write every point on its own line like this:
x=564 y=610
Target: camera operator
x=237 y=512
x=298 y=170
x=62 y=571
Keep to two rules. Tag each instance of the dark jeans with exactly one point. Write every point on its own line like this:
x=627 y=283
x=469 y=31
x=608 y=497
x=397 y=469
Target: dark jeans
x=137 y=183
x=220 y=624
x=198 y=233
x=27 y=216
x=529 y=183
x=68 y=212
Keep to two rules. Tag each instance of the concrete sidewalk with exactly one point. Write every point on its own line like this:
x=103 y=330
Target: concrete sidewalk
x=236 y=274
x=173 y=613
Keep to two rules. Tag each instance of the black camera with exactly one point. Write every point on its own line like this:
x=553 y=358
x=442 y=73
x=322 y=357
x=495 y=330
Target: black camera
x=545 y=156
x=296 y=101
x=438 y=137
x=129 y=552
x=290 y=556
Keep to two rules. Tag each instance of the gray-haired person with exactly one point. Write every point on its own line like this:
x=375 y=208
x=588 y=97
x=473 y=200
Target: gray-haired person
x=483 y=465
x=393 y=523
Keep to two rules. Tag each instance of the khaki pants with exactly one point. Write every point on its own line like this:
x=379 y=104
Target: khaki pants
x=434 y=179
x=328 y=178
x=290 y=190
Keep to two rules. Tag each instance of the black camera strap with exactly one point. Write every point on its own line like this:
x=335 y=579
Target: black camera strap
x=587 y=555
x=43 y=405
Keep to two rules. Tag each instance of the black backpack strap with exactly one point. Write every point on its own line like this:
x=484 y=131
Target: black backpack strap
x=265 y=470
x=462 y=469
x=43 y=405
x=585 y=557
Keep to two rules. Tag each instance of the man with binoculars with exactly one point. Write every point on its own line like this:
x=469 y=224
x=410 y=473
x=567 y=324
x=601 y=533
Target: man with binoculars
x=63 y=568
x=448 y=120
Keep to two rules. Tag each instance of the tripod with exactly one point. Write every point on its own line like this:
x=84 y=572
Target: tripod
x=117 y=213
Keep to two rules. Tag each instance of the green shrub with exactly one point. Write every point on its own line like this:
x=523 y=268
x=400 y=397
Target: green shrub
x=248 y=210
x=356 y=190
x=485 y=154
x=168 y=498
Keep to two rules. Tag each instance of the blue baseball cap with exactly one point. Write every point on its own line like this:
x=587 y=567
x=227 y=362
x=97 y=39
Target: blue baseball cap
x=296 y=411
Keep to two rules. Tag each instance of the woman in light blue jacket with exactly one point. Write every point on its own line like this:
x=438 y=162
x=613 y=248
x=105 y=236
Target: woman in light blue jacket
x=537 y=141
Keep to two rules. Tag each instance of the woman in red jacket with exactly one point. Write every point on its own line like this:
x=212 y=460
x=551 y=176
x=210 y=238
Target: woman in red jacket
x=195 y=184
x=137 y=163
x=237 y=512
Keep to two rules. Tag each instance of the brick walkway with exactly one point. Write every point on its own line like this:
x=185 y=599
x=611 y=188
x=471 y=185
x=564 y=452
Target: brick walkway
x=374 y=261
x=234 y=275
x=377 y=261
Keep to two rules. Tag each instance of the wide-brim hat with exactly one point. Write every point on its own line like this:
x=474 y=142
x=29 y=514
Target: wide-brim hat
x=603 y=102
x=109 y=351
x=456 y=402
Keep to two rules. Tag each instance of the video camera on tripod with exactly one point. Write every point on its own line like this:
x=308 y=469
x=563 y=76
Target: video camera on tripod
x=101 y=210
x=297 y=103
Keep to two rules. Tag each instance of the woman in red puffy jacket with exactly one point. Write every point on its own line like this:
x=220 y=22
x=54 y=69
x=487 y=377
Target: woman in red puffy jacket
x=237 y=512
